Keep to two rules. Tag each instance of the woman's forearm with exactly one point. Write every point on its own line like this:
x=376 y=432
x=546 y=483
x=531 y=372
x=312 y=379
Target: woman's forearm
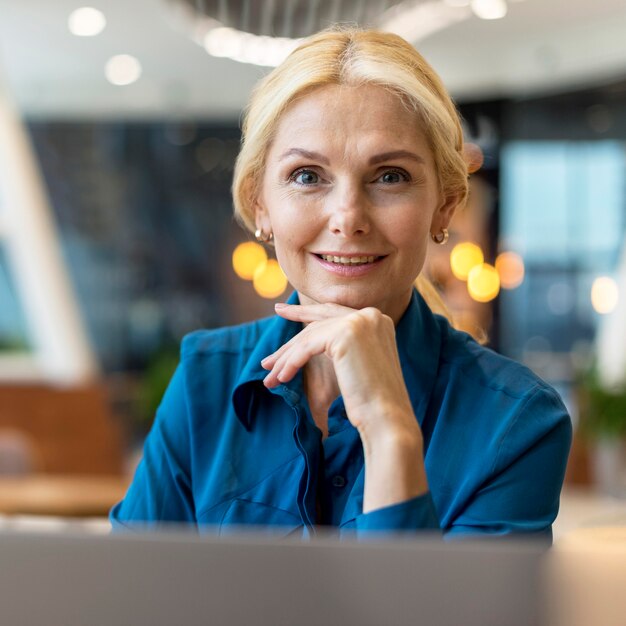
x=394 y=468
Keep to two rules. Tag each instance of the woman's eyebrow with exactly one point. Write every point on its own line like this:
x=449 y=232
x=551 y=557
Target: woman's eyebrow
x=307 y=154
x=377 y=158
x=396 y=154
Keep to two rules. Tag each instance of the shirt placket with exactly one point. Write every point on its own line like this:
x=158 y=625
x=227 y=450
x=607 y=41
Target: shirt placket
x=308 y=443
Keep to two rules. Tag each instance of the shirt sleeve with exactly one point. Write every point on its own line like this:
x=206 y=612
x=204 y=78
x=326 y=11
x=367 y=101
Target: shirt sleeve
x=522 y=492
x=417 y=513
x=161 y=488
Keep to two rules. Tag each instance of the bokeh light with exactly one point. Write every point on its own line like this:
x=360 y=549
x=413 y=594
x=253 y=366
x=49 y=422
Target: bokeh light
x=489 y=9
x=464 y=257
x=483 y=282
x=210 y=153
x=561 y=298
x=269 y=280
x=86 y=22
x=604 y=295
x=473 y=156
x=510 y=267
x=247 y=258
x=181 y=134
x=122 y=69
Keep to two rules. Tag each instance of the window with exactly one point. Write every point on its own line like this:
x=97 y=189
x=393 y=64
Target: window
x=562 y=208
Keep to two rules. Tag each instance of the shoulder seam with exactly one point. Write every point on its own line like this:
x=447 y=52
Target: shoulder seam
x=534 y=392
x=532 y=378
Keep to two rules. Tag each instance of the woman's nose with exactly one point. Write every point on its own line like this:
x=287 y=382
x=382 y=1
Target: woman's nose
x=349 y=212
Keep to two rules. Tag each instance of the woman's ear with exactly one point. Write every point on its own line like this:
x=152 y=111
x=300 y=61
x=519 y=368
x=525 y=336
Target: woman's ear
x=443 y=215
x=261 y=217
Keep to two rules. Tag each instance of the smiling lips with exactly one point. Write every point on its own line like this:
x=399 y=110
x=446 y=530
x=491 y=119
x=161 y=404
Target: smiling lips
x=349 y=260
x=349 y=265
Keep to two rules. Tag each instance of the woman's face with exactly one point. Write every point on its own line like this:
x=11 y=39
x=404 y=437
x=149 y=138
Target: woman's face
x=350 y=192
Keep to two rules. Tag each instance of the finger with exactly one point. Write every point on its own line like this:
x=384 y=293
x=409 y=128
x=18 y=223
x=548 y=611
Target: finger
x=311 y=312
x=272 y=379
x=296 y=357
x=269 y=361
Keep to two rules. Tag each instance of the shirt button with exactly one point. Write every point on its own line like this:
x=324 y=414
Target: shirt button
x=339 y=481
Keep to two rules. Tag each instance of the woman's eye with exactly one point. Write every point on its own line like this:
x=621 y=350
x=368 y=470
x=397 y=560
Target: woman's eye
x=393 y=176
x=305 y=177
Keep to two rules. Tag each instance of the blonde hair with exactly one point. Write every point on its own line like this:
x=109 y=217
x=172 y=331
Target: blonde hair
x=350 y=56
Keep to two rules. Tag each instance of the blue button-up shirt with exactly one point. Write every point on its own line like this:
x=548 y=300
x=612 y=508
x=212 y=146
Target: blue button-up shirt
x=224 y=450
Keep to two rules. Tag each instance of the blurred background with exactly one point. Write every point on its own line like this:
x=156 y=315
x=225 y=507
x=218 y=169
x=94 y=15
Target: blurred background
x=119 y=126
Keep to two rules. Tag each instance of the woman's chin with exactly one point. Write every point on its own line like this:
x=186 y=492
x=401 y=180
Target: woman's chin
x=392 y=304
x=343 y=297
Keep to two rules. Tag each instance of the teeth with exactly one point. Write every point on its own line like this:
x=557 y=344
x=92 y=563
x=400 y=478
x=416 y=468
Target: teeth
x=344 y=260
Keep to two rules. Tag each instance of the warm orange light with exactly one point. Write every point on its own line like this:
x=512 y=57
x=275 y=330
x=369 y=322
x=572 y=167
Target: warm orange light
x=473 y=156
x=269 y=280
x=604 y=294
x=510 y=267
x=483 y=282
x=464 y=257
x=247 y=257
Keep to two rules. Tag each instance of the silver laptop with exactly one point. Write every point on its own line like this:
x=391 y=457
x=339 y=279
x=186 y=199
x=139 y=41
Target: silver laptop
x=176 y=579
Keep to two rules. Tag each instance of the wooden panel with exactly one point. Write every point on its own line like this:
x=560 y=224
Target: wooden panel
x=71 y=429
x=578 y=464
x=59 y=495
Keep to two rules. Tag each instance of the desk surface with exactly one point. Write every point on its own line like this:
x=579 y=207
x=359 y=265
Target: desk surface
x=585 y=508
x=62 y=495
x=93 y=496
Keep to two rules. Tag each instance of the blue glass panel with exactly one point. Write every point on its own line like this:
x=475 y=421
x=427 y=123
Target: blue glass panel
x=13 y=328
x=563 y=206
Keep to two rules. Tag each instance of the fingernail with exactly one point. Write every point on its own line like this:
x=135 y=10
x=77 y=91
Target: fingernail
x=280 y=305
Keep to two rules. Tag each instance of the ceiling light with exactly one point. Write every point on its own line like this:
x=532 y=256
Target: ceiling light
x=489 y=9
x=122 y=69
x=240 y=38
x=457 y=3
x=86 y=22
x=248 y=48
x=415 y=22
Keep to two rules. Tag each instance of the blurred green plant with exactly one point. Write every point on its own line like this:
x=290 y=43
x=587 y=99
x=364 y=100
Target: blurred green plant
x=602 y=409
x=153 y=384
x=10 y=343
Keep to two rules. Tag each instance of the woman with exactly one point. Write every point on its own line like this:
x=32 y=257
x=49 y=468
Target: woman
x=355 y=406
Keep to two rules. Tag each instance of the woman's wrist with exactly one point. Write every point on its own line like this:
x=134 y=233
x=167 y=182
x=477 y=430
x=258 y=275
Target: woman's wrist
x=391 y=428
x=400 y=445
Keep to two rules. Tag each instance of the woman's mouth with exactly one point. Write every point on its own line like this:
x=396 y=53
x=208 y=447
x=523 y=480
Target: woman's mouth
x=353 y=266
x=349 y=261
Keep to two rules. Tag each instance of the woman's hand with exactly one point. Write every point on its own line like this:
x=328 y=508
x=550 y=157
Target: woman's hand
x=362 y=347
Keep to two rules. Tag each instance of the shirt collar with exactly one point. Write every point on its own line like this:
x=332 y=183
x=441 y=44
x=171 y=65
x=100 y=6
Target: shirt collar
x=418 y=338
x=276 y=333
